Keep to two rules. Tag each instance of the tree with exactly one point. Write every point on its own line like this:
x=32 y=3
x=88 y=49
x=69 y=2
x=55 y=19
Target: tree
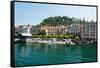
x=57 y=20
x=41 y=33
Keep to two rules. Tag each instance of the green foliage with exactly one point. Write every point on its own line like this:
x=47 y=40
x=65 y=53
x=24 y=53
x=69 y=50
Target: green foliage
x=61 y=20
x=52 y=36
x=57 y=20
x=41 y=33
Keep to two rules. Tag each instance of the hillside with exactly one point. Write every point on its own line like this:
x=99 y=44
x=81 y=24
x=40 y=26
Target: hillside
x=59 y=20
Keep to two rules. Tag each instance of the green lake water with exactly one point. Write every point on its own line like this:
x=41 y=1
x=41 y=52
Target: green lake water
x=27 y=54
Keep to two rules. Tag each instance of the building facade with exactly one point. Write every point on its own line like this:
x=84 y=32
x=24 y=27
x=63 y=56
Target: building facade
x=35 y=29
x=86 y=30
x=89 y=31
x=23 y=29
x=74 y=29
x=55 y=30
x=16 y=29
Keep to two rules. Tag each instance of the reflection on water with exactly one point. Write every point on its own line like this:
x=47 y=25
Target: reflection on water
x=36 y=54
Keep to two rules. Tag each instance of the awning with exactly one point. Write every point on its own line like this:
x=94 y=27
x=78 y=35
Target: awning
x=26 y=34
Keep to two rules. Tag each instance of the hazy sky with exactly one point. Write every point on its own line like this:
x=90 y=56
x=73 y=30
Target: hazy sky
x=34 y=13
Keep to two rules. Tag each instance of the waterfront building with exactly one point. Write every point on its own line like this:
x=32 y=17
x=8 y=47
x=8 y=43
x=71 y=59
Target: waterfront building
x=84 y=30
x=16 y=29
x=89 y=30
x=35 y=29
x=23 y=29
x=74 y=29
x=55 y=30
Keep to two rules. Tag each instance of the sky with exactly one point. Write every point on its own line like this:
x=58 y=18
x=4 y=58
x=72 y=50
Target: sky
x=34 y=13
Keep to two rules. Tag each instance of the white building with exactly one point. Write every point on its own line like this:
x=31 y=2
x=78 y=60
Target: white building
x=74 y=29
x=23 y=29
x=89 y=30
x=16 y=29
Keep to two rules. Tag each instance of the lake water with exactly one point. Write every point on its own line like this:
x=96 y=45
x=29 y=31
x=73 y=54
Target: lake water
x=27 y=54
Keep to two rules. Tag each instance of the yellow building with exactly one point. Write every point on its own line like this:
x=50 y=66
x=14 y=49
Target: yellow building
x=55 y=30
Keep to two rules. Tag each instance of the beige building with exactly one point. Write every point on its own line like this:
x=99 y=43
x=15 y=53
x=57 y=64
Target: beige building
x=55 y=30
